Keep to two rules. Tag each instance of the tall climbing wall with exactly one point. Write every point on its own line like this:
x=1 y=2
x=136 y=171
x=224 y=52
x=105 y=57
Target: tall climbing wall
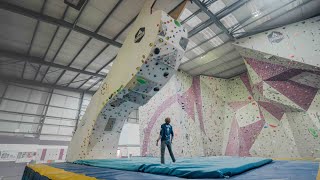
x=148 y=58
x=196 y=110
x=273 y=110
x=236 y=120
x=283 y=79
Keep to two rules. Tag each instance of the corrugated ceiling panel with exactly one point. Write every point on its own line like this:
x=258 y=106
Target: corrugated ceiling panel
x=41 y=72
x=12 y=69
x=215 y=63
x=11 y=36
x=105 y=57
x=233 y=72
x=94 y=13
x=89 y=83
x=34 y=5
x=55 y=8
x=30 y=71
x=218 y=52
x=217 y=6
x=123 y=35
x=119 y=19
x=226 y=66
x=70 y=48
x=52 y=75
x=67 y=77
x=79 y=80
x=95 y=88
x=56 y=43
x=42 y=39
x=71 y=15
x=88 y=53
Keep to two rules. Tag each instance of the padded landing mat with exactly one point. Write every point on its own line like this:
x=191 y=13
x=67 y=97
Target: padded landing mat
x=201 y=167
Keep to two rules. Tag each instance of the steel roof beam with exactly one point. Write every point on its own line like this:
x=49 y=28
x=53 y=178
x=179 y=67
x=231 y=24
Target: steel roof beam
x=213 y=17
x=219 y=15
x=37 y=83
x=57 y=22
x=36 y=60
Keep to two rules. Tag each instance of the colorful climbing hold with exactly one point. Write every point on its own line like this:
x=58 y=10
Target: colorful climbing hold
x=313 y=132
x=141 y=80
x=177 y=23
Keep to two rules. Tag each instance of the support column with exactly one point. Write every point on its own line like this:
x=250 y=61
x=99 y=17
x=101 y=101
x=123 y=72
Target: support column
x=44 y=112
x=4 y=93
x=79 y=111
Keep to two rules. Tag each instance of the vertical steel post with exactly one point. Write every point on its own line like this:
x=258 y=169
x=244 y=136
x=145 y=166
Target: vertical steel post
x=45 y=110
x=79 y=111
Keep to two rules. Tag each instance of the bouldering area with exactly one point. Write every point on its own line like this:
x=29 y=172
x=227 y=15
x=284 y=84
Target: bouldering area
x=160 y=89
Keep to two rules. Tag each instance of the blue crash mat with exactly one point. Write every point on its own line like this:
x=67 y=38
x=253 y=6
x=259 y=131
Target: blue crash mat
x=200 y=167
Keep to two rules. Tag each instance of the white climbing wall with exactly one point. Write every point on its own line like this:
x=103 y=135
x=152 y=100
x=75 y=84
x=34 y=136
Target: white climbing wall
x=148 y=58
x=273 y=110
x=235 y=122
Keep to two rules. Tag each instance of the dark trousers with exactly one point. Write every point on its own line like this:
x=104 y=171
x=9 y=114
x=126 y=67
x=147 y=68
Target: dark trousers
x=163 y=148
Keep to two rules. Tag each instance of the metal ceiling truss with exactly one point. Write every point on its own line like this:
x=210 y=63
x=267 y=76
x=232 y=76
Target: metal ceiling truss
x=213 y=17
x=57 y=22
x=33 y=36
x=39 y=84
x=197 y=12
x=65 y=38
x=50 y=43
x=87 y=42
x=216 y=17
x=109 y=60
x=258 y=28
x=40 y=61
x=60 y=22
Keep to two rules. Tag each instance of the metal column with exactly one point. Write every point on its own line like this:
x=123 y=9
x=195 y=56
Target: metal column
x=79 y=111
x=4 y=93
x=44 y=113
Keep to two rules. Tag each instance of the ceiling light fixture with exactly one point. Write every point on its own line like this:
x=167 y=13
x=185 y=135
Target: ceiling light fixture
x=256 y=13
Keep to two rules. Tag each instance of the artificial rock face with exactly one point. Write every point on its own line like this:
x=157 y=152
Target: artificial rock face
x=273 y=110
x=148 y=58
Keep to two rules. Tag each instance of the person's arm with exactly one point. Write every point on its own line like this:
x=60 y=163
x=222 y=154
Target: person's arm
x=172 y=134
x=159 y=136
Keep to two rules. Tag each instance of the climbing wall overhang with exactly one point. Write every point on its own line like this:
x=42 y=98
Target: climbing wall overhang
x=148 y=58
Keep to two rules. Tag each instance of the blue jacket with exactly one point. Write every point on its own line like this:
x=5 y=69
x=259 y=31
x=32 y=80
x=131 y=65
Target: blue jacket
x=165 y=132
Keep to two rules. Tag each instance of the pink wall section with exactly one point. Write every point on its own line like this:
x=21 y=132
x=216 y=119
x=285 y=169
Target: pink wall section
x=232 y=117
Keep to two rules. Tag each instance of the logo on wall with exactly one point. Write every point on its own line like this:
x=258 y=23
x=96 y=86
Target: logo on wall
x=275 y=37
x=139 y=35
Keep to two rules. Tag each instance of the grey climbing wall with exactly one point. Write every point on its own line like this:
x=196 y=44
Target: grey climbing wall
x=148 y=58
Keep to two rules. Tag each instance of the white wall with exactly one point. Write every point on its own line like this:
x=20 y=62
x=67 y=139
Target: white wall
x=22 y=107
x=20 y=115
x=130 y=134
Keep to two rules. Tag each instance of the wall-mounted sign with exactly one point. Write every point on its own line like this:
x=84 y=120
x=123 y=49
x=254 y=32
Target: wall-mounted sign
x=139 y=35
x=8 y=155
x=275 y=37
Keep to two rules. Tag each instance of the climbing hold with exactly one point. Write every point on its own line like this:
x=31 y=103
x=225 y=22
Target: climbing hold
x=156 y=89
x=313 y=132
x=141 y=80
x=165 y=74
x=177 y=23
x=156 y=50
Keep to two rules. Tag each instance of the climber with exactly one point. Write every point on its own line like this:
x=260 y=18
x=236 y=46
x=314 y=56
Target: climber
x=166 y=136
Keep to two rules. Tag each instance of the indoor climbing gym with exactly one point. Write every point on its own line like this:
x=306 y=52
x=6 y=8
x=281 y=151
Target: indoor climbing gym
x=159 y=89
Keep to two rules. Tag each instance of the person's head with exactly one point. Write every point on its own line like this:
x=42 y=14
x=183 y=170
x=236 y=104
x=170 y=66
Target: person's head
x=167 y=120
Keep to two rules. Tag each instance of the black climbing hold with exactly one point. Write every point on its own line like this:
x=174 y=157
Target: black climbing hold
x=156 y=89
x=165 y=74
x=156 y=51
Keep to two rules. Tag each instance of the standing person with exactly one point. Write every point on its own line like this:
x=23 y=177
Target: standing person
x=166 y=136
